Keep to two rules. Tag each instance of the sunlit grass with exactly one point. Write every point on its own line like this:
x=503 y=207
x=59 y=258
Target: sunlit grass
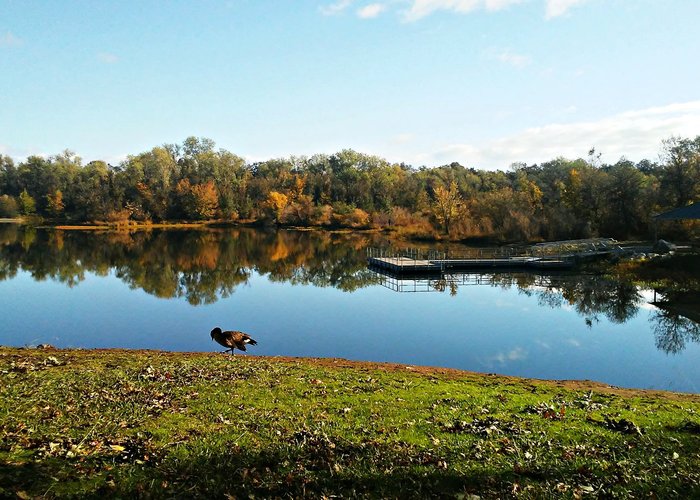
x=125 y=423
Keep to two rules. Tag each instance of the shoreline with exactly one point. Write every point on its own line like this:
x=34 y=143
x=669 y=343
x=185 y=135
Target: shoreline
x=385 y=366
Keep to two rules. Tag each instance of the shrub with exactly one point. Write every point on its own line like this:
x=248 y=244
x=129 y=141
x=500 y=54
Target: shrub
x=356 y=219
x=8 y=206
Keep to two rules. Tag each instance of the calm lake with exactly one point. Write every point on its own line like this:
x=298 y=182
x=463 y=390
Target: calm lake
x=311 y=294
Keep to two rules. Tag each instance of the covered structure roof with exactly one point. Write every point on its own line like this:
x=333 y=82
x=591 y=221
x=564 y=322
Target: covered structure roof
x=688 y=212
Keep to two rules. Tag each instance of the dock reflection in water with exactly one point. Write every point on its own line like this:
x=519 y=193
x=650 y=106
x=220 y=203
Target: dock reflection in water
x=591 y=296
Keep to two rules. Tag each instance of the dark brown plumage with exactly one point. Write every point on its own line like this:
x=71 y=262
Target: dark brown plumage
x=232 y=339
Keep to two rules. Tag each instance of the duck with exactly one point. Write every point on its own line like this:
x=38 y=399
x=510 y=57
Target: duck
x=232 y=339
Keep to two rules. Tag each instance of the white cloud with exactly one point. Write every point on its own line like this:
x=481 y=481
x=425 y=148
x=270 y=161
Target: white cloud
x=421 y=8
x=370 y=11
x=556 y=8
x=633 y=134
x=335 y=8
x=21 y=154
x=107 y=58
x=7 y=39
x=511 y=58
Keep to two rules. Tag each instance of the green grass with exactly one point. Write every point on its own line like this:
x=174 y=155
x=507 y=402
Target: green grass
x=153 y=424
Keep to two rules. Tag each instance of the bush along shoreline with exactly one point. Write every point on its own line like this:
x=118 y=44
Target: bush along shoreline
x=84 y=423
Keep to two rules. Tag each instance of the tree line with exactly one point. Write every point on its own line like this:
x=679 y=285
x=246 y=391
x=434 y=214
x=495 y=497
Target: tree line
x=558 y=199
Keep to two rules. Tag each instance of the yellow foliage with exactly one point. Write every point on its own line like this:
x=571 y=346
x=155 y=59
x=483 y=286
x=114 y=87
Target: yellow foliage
x=447 y=205
x=277 y=202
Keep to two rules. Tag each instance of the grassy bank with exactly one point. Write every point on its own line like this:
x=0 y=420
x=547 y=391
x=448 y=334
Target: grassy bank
x=153 y=424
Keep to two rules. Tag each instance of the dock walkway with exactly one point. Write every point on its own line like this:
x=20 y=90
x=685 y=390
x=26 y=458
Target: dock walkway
x=401 y=265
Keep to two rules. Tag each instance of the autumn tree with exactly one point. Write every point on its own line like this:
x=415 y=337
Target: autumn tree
x=205 y=200
x=54 y=203
x=197 y=201
x=276 y=203
x=447 y=205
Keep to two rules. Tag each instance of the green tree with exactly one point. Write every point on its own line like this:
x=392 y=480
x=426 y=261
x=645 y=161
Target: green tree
x=9 y=182
x=90 y=193
x=681 y=173
x=627 y=212
x=27 y=205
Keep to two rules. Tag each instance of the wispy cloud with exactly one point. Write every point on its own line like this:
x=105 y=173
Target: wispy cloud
x=516 y=354
x=413 y=10
x=634 y=134
x=556 y=8
x=336 y=7
x=107 y=58
x=574 y=342
x=8 y=39
x=403 y=138
x=507 y=56
x=370 y=11
x=543 y=344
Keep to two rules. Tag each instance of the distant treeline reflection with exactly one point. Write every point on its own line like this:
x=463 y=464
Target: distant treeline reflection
x=205 y=265
x=199 y=265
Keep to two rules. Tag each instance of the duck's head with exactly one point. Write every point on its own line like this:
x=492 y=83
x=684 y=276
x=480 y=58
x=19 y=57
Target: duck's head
x=215 y=331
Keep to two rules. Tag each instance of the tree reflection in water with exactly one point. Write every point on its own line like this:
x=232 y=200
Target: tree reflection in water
x=205 y=265
x=673 y=331
x=199 y=265
x=591 y=296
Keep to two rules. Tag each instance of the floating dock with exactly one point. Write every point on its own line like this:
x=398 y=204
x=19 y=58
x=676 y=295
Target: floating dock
x=407 y=265
x=555 y=255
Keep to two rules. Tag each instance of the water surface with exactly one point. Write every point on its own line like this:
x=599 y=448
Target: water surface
x=310 y=294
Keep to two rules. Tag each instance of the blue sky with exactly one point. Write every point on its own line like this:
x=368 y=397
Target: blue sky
x=482 y=82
